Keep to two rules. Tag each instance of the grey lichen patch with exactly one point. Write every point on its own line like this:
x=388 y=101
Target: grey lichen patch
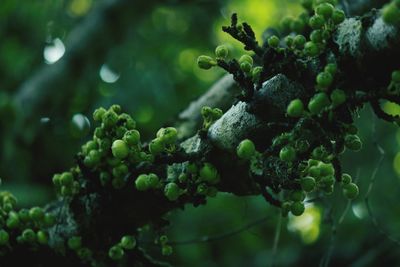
x=233 y=127
x=194 y=145
x=348 y=37
x=65 y=227
x=381 y=35
x=278 y=92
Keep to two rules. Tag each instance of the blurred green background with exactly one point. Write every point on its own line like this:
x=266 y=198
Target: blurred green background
x=151 y=72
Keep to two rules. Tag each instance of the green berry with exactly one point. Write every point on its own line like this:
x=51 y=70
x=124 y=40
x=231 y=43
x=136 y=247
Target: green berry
x=66 y=179
x=297 y=25
x=168 y=135
x=346 y=178
x=128 y=242
x=4 y=237
x=36 y=214
x=221 y=51
x=307 y=4
x=28 y=235
x=308 y=183
x=288 y=154
x=116 y=252
x=202 y=189
x=141 y=182
x=289 y=40
x=338 y=97
x=297 y=195
x=152 y=180
x=391 y=14
x=325 y=10
x=246 y=58
x=326 y=169
x=120 y=170
x=316 y=36
x=316 y=22
x=324 y=79
x=285 y=23
x=353 y=142
x=338 y=16
x=116 y=108
x=56 y=179
x=311 y=49
x=297 y=208
x=166 y=250
x=246 y=67
x=98 y=114
x=156 y=146
x=163 y=240
x=42 y=237
x=208 y=173
x=49 y=220
x=75 y=242
x=350 y=190
x=172 y=191
x=331 y=68
x=273 y=41
x=396 y=76
x=132 y=137
x=295 y=108
x=206 y=62
x=120 y=149
x=110 y=119
x=84 y=254
x=299 y=41
x=24 y=215
x=318 y=102
x=246 y=149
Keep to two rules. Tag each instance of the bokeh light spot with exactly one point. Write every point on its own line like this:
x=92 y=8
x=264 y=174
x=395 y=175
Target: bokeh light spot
x=54 y=51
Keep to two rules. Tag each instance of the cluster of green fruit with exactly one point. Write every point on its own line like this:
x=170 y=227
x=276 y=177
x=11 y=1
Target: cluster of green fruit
x=66 y=183
x=322 y=22
x=22 y=226
x=321 y=101
x=117 y=252
x=166 y=249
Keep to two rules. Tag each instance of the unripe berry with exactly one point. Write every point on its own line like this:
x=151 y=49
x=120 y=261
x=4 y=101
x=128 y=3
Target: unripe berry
x=297 y=25
x=156 y=146
x=396 y=76
x=166 y=250
x=299 y=41
x=338 y=97
x=246 y=67
x=66 y=178
x=324 y=79
x=116 y=252
x=28 y=235
x=311 y=49
x=246 y=58
x=287 y=154
x=318 y=102
x=297 y=208
x=353 y=142
x=36 y=214
x=109 y=119
x=42 y=237
x=98 y=114
x=120 y=149
x=246 y=149
x=172 y=191
x=350 y=191
x=391 y=14
x=152 y=180
x=308 y=183
x=128 y=242
x=206 y=62
x=295 y=108
x=316 y=22
x=326 y=169
x=4 y=237
x=325 y=10
x=297 y=196
x=316 y=36
x=338 y=16
x=331 y=68
x=169 y=135
x=132 y=137
x=273 y=41
x=221 y=51
x=208 y=173
x=141 y=182
x=346 y=178
x=75 y=242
